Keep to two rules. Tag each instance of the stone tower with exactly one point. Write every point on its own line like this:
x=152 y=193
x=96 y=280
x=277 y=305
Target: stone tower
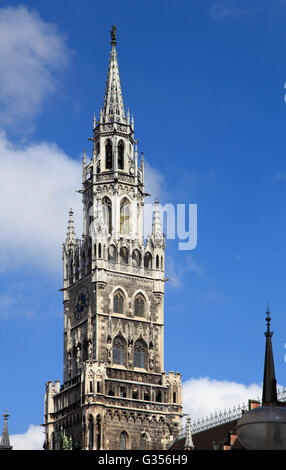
x=115 y=394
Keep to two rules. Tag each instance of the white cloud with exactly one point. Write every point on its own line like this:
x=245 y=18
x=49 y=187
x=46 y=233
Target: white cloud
x=205 y=396
x=228 y=10
x=37 y=189
x=31 y=52
x=177 y=272
x=32 y=439
x=38 y=184
x=154 y=183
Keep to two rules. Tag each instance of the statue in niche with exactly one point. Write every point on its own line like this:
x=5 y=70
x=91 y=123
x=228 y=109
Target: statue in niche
x=151 y=356
x=130 y=355
x=90 y=349
x=78 y=356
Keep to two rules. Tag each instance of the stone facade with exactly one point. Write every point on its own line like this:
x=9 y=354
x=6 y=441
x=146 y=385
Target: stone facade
x=115 y=394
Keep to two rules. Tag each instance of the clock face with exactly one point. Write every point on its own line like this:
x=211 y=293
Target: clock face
x=81 y=303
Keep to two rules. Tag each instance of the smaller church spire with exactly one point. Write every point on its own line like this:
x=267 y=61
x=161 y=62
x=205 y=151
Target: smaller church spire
x=269 y=393
x=94 y=121
x=71 y=230
x=156 y=226
x=5 y=441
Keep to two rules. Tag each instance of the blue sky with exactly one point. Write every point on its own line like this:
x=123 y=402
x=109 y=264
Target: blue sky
x=205 y=81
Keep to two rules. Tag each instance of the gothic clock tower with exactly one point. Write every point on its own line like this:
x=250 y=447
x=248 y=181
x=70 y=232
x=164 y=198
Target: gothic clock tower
x=115 y=392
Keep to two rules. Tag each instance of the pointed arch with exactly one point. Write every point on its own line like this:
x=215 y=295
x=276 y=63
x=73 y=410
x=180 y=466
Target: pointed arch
x=136 y=258
x=123 y=441
x=120 y=150
x=107 y=213
x=119 y=350
x=108 y=154
x=112 y=253
x=118 y=302
x=139 y=306
x=148 y=260
x=143 y=442
x=125 y=216
x=140 y=353
x=124 y=255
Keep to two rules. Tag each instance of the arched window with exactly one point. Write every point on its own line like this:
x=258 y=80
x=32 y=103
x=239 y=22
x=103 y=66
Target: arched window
x=139 y=354
x=123 y=441
x=99 y=250
x=143 y=442
x=139 y=306
x=118 y=302
x=121 y=155
x=148 y=260
x=118 y=350
x=98 y=432
x=157 y=262
x=90 y=433
x=136 y=258
x=108 y=155
x=107 y=213
x=112 y=253
x=123 y=255
x=124 y=217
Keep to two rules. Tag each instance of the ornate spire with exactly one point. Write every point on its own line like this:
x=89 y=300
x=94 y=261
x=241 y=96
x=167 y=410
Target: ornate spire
x=71 y=231
x=156 y=225
x=113 y=108
x=5 y=441
x=269 y=394
x=189 y=440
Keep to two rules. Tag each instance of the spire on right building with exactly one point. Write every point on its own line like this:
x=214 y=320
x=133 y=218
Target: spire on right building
x=269 y=394
x=5 y=441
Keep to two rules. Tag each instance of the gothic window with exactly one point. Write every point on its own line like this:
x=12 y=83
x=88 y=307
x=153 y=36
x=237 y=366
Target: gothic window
x=123 y=441
x=123 y=255
x=139 y=354
x=121 y=155
x=90 y=433
x=108 y=155
x=135 y=394
x=99 y=250
x=107 y=213
x=136 y=258
x=118 y=350
x=162 y=263
x=143 y=442
x=157 y=262
x=148 y=260
x=122 y=392
x=146 y=395
x=98 y=432
x=159 y=396
x=124 y=217
x=112 y=253
x=139 y=306
x=118 y=303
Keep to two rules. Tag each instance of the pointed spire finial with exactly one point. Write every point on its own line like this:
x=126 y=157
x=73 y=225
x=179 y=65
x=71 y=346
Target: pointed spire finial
x=156 y=226
x=113 y=107
x=94 y=121
x=113 y=35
